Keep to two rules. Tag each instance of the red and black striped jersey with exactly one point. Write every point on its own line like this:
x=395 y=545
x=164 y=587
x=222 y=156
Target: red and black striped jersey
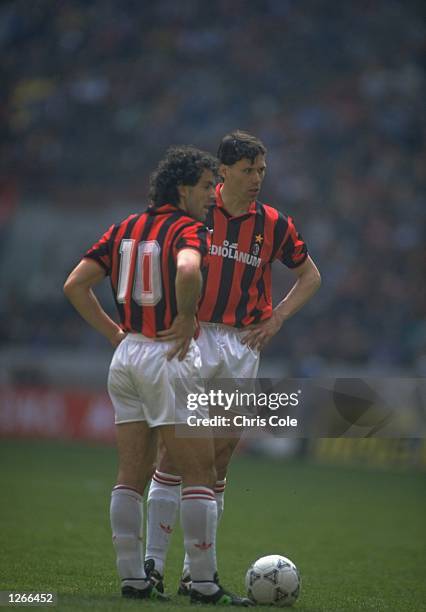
x=139 y=254
x=237 y=283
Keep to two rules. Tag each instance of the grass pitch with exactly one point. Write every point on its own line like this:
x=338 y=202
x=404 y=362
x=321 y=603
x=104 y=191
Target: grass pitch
x=357 y=535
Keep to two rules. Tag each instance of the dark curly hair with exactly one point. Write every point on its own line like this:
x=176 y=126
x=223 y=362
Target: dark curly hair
x=238 y=145
x=182 y=165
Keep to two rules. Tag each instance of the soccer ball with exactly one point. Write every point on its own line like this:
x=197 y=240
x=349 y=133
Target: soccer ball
x=273 y=580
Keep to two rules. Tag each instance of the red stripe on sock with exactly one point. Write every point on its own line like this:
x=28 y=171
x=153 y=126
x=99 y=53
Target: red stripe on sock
x=198 y=494
x=117 y=487
x=167 y=476
x=205 y=497
x=204 y=491
x=169 y=483
x=219 y=486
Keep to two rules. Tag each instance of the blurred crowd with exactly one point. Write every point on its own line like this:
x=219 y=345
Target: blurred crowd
x=93 y=93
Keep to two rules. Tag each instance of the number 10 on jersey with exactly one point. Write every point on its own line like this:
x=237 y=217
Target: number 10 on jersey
x=146 y=280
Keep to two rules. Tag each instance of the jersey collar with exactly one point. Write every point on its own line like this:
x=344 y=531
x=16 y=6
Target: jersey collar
x=163 y=209
x=221 y=206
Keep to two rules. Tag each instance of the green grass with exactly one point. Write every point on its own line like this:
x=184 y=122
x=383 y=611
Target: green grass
x=357 y=535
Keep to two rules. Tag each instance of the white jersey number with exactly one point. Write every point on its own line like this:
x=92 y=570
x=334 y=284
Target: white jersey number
x=147 y=288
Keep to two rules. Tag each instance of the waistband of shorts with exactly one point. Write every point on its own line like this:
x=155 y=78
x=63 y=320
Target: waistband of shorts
x=141 y=338
x=229 y=328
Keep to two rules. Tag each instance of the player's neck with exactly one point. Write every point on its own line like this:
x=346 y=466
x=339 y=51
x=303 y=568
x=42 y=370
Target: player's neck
x=232 y=203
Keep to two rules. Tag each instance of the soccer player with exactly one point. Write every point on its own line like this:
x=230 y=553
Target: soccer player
x=153 y=260
x=236 y=313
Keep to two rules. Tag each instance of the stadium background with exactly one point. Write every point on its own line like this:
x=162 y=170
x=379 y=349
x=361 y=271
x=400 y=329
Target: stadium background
x=91 y=96
x=94 y=93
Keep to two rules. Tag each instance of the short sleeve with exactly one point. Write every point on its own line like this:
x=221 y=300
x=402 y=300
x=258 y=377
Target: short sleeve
x=101 y=252
x=292 y=250
x=195 y=236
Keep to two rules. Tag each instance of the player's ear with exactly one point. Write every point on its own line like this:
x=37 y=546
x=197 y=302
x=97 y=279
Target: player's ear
x=183 y=191
x=222 y=170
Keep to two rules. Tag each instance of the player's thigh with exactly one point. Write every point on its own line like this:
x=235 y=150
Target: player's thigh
x=210 y=349
x=223 y=355
x=137 y=447
x=192 y=458
x=164 y=386
x=125 y=397
x=239 y=360
x=169 y=385
x=239 y=368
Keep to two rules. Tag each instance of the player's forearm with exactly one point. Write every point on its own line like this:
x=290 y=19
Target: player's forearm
x=188 y=290
x=301 y=292
x=89 y=308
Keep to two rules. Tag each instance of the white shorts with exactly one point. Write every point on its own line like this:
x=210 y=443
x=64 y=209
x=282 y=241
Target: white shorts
x=227 y=364
x=141 y=382
x=223 y=355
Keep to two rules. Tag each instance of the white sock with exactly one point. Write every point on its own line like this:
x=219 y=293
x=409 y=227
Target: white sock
x=219 y=491
x=199 y=522
x=126 y=523
x=163 y=503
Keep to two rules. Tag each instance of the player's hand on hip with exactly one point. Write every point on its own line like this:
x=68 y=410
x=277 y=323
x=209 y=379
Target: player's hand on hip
x=180 y=333
x=258 y=336
x=118 y=337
